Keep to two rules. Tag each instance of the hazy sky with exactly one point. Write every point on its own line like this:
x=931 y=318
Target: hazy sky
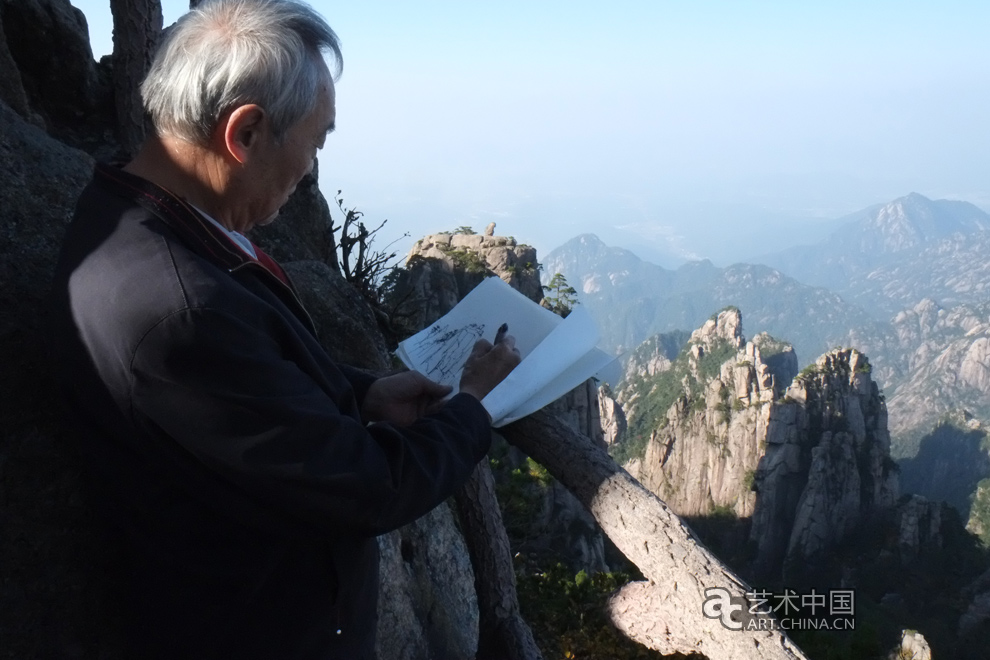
x=686 y=129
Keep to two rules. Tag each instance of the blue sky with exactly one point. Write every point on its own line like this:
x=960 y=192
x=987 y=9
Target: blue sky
x=677 y=129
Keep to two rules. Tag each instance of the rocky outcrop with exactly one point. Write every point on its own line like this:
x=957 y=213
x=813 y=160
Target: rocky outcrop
x=945 y=367
x=913 y=646
x=919 y=523
x=632 y=300
x=979 y=514
x=827 y=467
x=11 y=86
x=977 y=615
x=427 y=605
x=443 y=268
x=53 y=555
x=613 y=419
x=809 y=464
x=702 y=455
x=64 y=90
x=951 y=462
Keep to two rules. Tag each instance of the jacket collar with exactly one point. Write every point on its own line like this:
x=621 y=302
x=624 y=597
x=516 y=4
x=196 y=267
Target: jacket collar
x=198 y=233
x=195 y=230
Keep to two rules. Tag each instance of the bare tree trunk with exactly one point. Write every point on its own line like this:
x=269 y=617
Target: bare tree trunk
x=502 y=634
x=666 y=613
x=137 y=26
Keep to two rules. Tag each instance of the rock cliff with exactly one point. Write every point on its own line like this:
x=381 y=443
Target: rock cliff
x=443 y=268
x=701 y=454
x=951 y=462
x=946 y=367
x=725 y=430
x=827 y=467
x=612 y=417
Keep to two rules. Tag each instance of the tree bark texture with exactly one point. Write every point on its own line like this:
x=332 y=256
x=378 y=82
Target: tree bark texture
x=137 y=26
x=665 y=613
x=502 y=632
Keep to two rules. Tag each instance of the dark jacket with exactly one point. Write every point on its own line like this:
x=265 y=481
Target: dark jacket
x=229 y=448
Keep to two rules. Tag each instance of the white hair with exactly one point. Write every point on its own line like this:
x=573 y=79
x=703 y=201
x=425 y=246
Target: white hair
x=227 y=53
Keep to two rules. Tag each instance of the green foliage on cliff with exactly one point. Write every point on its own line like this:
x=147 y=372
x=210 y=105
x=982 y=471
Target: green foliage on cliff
x=979 y=512
x=652 y=396
x=469 y=260
x=710 y=362
x=567 y=614
x=520 y=492
x=564 y=609
x=770 y=346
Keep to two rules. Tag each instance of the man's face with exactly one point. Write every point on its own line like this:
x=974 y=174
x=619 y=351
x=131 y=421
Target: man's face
x=282 y=166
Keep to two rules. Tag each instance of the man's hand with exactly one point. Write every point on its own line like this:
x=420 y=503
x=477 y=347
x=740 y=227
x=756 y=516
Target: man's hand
x=488 y=365
x=402 y=398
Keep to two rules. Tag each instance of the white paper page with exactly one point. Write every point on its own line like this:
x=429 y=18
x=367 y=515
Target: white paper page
x=574 y=337
x=439 y=351
x=592 y=364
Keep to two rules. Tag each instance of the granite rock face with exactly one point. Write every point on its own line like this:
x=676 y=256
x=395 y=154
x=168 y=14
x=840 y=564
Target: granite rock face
x=427 y=606
x=66 y=91
x=919 y=527
x=40 y=179
x=977 y=615
x=945 y=366
x=913 y=646
x=827 y=466
x=703 y=456
x=950 y=464
x=443 y=268
x=11 y=86
x=613 y=419
x=53 y=554
x=805 y=459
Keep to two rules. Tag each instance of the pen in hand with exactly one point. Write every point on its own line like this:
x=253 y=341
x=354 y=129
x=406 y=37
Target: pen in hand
x=502 y=329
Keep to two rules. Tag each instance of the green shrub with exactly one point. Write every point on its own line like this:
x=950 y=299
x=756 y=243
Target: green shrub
x=566 y=612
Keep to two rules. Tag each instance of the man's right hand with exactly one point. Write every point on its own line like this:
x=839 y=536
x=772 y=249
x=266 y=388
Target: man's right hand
x=488 y=365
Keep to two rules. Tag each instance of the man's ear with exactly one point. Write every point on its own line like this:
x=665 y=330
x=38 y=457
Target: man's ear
x=243 y=131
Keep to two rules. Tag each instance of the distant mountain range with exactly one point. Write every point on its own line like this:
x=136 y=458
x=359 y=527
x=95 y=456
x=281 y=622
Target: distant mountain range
x=632 y=299
x=888 y=257
x=907 y=283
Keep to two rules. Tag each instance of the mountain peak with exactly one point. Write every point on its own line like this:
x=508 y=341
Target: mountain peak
x=914 y=220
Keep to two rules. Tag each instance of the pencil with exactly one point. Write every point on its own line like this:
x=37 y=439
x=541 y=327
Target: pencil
x=502 y=329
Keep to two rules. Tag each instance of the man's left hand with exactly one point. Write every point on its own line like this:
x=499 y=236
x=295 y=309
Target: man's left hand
x=402 y=398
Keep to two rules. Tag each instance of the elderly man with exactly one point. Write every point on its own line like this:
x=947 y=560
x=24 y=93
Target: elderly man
x=248 y=472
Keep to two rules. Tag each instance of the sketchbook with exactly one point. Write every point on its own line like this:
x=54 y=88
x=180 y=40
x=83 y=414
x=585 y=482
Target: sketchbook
x=557 y=354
